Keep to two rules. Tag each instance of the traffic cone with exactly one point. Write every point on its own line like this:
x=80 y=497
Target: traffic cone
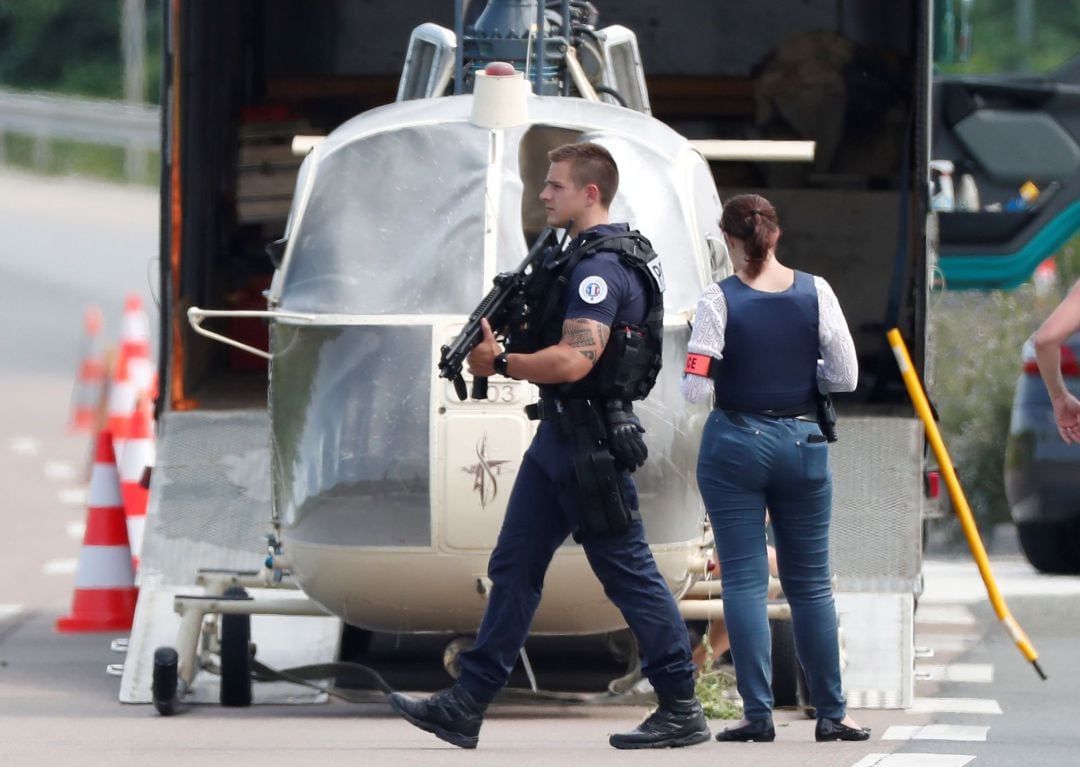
x=122 y=397
x=139 y=454
x=105 y=593
x=134 y=330
x=91 y=376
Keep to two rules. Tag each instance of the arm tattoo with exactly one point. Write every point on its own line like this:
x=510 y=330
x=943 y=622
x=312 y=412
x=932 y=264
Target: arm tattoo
x=587 y=336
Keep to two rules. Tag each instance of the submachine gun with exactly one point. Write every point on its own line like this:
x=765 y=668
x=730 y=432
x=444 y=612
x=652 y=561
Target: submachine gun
x=498 y=308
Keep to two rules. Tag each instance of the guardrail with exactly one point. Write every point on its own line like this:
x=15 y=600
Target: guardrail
x=134 y=126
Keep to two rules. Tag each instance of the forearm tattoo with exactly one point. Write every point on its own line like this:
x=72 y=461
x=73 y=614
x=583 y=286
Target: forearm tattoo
x=587 y=336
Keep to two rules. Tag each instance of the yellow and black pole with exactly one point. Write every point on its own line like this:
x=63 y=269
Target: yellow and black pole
x=960 y=504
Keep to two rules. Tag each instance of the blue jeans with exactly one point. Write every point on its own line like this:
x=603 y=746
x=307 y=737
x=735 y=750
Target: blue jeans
x=544 y=508
x=749 y=463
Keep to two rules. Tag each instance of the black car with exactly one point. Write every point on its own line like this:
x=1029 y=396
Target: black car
x=1042 y=472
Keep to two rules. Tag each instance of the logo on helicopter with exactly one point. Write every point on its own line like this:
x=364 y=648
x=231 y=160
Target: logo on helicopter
x=485 y=473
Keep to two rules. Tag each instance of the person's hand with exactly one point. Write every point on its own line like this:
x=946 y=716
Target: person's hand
x=1067 y=415
x=624 y=437
x=481 y=359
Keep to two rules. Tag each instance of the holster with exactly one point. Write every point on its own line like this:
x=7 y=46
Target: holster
x=603 y=509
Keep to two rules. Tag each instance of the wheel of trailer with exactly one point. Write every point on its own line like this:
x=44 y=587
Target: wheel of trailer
x=164 y=684
x=236 y=655
x=785 y=666
x=452 y=654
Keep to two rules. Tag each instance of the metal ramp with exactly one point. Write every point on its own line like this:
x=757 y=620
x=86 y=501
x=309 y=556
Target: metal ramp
x=210 y=509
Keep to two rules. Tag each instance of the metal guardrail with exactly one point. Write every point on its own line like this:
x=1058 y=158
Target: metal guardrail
x=134 y=126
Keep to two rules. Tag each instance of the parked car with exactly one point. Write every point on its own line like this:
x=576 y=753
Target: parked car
x=1042 y=472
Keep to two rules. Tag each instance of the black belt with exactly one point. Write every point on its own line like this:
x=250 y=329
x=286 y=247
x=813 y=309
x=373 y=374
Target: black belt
x=805 y=412
x=544 y=410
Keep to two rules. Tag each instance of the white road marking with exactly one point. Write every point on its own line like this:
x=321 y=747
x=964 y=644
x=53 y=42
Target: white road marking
x=24 y=445
x=958 y=672
x=8 y=611
x=954 y=706
x=937 y=732
x=942 y=614
x=60 y=566
x=946 y=642
x=76 y=529
x=958 y=582
x=73 y=496
x=913 y=760
x=60 y=471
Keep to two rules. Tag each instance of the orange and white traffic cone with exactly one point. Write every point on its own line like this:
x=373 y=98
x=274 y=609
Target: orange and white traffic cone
x=139 y=454
x=122 y=397
x=135 y=345
x=91 y=376
x=105 y=593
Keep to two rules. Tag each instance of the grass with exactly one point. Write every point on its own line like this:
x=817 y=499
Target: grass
x=63 y=158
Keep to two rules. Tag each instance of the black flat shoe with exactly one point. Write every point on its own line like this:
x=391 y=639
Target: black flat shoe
x=758 y=731
x=834 y=729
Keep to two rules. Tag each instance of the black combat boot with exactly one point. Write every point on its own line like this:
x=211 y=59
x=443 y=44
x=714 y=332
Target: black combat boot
x=675 y=723
x=452 y=714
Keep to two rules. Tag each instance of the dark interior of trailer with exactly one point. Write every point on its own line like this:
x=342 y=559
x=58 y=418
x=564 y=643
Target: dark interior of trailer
x=844 y=73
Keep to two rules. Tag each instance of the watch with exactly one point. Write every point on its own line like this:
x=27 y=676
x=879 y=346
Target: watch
x=500 y=364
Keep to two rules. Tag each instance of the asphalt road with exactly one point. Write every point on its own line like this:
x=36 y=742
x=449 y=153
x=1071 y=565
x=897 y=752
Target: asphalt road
x=64 y=244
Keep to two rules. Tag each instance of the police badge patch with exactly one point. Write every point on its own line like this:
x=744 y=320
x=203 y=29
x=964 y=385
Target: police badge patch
x=593 y=290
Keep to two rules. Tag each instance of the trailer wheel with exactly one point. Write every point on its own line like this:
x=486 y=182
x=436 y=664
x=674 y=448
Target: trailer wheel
x=785 y=666
x=235 y=655
x=164 y=683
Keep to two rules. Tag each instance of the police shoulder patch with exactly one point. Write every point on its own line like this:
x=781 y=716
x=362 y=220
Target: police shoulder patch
x=593 y=290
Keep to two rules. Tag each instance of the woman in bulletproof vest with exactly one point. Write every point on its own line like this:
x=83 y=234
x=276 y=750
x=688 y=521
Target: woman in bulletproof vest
x=765 y=342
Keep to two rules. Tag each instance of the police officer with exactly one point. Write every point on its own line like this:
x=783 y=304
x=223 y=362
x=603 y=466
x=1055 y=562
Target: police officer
x=560 y=488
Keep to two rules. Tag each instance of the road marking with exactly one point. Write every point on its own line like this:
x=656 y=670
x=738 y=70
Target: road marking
x=955 y=582
x=73 y=496
x=954 y=706
x=7 y=611
x=946 y=642
x=913 y=760
x=937 y=732
x=59 y=471
x=60 y=566
x=76 y=529
x=958 y=672
x=24 y=445
x=942 y=614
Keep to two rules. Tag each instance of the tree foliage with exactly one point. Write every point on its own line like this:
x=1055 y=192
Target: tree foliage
x=996 y=48
x=72 y=46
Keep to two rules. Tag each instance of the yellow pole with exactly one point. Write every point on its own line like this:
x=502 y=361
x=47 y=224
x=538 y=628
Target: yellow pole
x=960 y=504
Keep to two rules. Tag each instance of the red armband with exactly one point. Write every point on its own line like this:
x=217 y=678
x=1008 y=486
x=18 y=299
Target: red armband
x=697 y=364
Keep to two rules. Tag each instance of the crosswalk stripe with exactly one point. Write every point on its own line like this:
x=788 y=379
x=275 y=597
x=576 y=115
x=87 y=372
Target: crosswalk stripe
x=914 y=760
x=7 y=611
x=947 y=642
x=954 y=706
x=958 y=672
x=60 y=566
x=24 y=445
x=937 y=732
x=73 y=496
x=943 y=614
x=60 y=471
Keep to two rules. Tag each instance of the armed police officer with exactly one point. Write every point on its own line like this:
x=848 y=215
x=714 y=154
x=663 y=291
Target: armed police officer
x=591 y=340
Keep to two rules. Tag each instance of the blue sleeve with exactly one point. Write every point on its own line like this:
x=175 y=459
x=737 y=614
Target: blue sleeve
x=597 y=287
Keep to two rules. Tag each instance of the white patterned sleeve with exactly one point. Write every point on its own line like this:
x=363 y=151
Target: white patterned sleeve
x=707 y=338
x=840 y=366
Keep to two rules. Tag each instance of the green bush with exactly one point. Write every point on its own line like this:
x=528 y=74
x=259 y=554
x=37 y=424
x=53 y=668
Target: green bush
x=977 y=338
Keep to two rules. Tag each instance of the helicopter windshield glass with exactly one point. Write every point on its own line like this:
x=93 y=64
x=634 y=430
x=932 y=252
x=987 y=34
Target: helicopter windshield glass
x=384 y=233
